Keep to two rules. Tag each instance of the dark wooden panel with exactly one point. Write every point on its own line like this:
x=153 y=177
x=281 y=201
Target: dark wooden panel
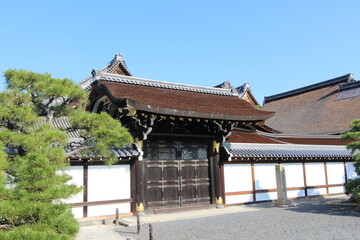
x=177 y=182
x=155 y=194
x=170 y=173
x=154 y=173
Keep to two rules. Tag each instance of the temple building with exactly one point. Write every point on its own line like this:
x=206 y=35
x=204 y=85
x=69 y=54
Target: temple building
x=323 y=108
x=196 y=147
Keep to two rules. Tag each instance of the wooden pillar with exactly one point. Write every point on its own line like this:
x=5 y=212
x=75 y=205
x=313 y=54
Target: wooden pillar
x=140 y=186
x=304 y=174
x=345 y=172
x=326 y=178
x=217 y=174
x=86 y=188
x=133 y=182
x=253 y=181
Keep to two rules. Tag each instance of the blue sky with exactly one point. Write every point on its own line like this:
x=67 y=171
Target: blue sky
x=274 y=45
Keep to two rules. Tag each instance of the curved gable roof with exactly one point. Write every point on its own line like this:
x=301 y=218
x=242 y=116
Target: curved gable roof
x=179 y=102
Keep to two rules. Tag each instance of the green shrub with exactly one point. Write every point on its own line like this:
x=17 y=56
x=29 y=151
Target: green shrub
x=353 y=187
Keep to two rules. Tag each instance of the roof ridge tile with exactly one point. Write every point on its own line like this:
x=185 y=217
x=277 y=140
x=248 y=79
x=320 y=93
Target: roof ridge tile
x=346 y=78
x=104 y=76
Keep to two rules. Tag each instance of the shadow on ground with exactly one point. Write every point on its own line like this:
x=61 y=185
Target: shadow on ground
x=337 y=206
x=331 y=206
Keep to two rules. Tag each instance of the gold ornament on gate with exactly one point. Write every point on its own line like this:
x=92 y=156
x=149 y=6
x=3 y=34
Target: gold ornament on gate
x=139 y=208
x=219 y=201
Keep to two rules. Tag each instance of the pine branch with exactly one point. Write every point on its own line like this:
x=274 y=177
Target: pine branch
x=6 y=226
x=76 y=150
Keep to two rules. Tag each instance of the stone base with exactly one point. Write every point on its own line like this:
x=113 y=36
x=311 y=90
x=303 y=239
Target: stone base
x=284 y=203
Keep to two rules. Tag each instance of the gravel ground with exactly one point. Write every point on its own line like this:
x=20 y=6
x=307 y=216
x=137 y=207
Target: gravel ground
x=329 y=218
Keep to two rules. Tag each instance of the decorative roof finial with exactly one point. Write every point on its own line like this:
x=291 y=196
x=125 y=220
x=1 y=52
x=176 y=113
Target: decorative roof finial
x=93 y=73
x=118 y=57
x=351 y=77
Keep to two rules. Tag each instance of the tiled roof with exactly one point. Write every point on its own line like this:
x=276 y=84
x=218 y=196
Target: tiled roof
x=75 y=140
x=350 y=85
x=316 y=111
x=117 y=61
x=124 y=152
x=246 y=151
x=243 y=89
x=161 y=84
x=243 y=135
x=306 y=139
x=245 y=93
x=64 y=124
x=179 y=102
x=349 y=90
x=343 y=79
x=249 y=136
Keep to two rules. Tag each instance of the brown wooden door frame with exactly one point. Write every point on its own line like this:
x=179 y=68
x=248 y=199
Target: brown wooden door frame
x=181 y=144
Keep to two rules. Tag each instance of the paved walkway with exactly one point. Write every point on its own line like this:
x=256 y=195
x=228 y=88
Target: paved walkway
x=329 y=218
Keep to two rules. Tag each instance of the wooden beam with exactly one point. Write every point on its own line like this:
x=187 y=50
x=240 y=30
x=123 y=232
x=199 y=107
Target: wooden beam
x=95 y=203
x=86 y=188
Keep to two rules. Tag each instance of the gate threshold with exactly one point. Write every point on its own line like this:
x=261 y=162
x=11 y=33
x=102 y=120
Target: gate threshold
x=180 y=209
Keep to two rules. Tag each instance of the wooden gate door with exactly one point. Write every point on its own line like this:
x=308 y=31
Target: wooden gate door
x=177 y=175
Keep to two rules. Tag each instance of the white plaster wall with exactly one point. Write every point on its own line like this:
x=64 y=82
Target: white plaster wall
x=76 y=172
x=335 y=173
x=265 y=177
x=333 y=190
x=294 y=175
x=350 y=170
x=295 y=193
x=78 y=212
x=108 y=209
x=237 y=177
x=315 y=174
x=108 y=183
x=266 y=196
x=239 y=198
x=316 y=191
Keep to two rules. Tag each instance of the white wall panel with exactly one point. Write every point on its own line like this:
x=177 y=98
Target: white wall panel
x=333 y=190
x=237 y=177
x=77 y=174
x=266 y=196
x=108 y=182
x=316 y=191
x=350 y=170
x=239 y=198
x=109 y=209
x=315 y=174
x=295 y=193
x=294 y=175
x=265 y=177
x=77 y=211
x=335 y=172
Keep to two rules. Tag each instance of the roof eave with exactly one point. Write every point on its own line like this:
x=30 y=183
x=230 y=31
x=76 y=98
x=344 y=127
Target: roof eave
x=342 y=79
x=195 y=114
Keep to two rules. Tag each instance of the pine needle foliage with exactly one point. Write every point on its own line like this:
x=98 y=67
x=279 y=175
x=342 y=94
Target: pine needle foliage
x=33 y=157
x=353 y=186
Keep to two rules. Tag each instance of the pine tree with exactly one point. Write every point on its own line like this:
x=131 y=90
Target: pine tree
x=353 y=186
x=33 y=157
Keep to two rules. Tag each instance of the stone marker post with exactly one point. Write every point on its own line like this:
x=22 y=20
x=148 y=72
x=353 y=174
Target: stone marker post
x=282 y=200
